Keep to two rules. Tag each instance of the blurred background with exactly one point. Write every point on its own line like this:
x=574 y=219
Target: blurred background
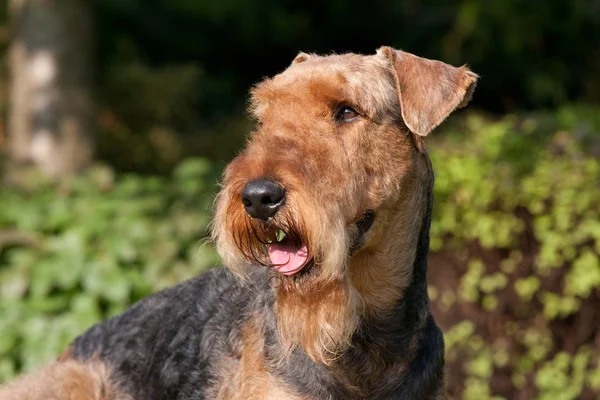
x=117 y=117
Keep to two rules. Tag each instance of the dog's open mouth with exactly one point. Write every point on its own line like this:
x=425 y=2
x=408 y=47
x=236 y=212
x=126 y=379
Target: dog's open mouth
x=288 y=256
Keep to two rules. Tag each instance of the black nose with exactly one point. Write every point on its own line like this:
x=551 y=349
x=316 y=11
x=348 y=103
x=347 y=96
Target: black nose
x=262 y=198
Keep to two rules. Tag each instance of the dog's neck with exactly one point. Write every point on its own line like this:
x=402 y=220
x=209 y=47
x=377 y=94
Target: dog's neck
x=322 y=318
x=363 y=336
x=393 y=334
x=383 y=272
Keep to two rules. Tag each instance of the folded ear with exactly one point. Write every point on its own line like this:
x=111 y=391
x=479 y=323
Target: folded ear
x=429 y=90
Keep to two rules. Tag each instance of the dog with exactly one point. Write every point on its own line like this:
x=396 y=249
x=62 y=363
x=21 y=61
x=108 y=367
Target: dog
x=323 y=223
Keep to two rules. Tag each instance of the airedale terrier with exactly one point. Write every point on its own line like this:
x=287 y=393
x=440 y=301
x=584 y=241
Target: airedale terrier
x=323 y=222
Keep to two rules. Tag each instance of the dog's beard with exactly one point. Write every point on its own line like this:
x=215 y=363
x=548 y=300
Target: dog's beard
x=308 y=236
x=318 y=308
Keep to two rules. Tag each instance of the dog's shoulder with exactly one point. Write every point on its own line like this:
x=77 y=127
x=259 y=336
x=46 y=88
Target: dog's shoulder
x=177 y=304
x=174 y=335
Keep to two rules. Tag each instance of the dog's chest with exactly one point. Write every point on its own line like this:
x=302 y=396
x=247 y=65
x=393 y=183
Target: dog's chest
x=257 y=386
x=246 y=375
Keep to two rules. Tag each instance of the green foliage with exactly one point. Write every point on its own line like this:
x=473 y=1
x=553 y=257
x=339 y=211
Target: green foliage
x=517 y=207
x=73 y=254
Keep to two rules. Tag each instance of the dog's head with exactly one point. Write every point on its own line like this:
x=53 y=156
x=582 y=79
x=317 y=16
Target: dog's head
x=332 y=189
x=335 y=150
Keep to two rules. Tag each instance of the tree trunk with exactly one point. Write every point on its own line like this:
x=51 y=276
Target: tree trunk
x=50 y=114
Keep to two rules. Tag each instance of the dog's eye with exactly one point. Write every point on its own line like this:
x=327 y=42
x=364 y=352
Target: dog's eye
x=346 y=114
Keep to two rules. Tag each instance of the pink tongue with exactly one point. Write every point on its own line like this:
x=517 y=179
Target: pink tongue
x=287 y=258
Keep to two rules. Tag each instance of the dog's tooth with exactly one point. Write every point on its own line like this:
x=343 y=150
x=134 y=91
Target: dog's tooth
x=280 y=235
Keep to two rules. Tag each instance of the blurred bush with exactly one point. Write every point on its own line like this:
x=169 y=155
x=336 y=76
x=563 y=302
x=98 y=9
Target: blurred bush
x=84 y=250
x=514 y=267
x=515 y=262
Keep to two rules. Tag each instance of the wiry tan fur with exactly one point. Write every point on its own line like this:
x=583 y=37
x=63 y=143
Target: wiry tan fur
x=321 y=320
x=252 y=381
x=381 y=273
x=65 y=380
x=333 y=173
